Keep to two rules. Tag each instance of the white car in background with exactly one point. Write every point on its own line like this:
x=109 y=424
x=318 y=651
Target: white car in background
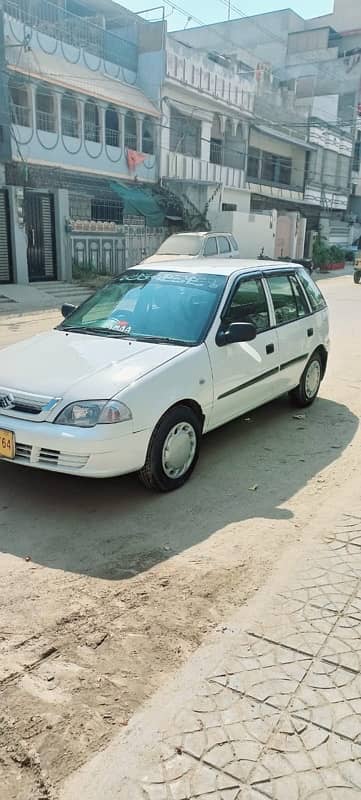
x=195 y=245
x=132 y=379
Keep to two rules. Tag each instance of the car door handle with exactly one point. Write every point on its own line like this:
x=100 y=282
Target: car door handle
x=270 y=348
x=310 y=332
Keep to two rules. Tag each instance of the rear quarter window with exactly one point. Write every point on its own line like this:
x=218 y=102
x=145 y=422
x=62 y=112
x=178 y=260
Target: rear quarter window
x=314 y=294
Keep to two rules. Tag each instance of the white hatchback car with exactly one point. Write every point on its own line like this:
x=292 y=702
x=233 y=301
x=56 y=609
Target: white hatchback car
x=195 y=245
x=132 y=378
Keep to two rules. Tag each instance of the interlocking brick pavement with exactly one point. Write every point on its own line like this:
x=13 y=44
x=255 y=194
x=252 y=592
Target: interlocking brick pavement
x=281 y=716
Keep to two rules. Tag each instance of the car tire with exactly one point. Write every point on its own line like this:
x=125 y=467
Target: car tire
x=173 y=450
x=307 y=390
x=356 y=277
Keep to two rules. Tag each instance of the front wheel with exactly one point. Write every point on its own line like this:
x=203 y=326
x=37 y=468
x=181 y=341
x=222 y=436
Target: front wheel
x=173 y=450
x=356 y=276
x=307 y=390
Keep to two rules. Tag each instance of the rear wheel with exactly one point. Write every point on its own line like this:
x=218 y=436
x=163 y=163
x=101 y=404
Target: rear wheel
x=173 y=450
x=307 y=390
x=357 y=276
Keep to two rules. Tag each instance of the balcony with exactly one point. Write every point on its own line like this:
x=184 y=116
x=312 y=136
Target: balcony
x=330 y=137
x=188 y=168
x=326 y=198
x=66 y=145
x=50 y=20
x=193 y=68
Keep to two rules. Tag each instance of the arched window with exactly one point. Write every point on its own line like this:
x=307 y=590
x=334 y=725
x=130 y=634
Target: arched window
x=148 y=136
x=112 y=137
x=91 y=122
x=69 y=116
x=20 y=103
x=130 y=131
x=45 y=110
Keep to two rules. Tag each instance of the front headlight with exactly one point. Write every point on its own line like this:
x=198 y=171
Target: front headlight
x=88 y=413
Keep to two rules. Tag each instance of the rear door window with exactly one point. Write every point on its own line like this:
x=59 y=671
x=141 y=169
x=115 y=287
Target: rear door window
x=283 y=298
x=315 y=296
x=210 y=247
x=224 y=245
x=302 y=305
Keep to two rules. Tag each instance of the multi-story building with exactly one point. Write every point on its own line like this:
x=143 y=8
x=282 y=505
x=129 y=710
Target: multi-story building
x=319 y=68
x=83 y=116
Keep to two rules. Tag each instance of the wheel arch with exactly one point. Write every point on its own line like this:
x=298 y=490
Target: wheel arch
x=189 y=403
x=321 y=350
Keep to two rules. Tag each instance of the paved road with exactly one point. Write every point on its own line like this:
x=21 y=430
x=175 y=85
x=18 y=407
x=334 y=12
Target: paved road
x=106 y=589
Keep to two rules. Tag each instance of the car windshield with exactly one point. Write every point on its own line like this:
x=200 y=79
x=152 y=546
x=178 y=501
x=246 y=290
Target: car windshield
x=147 y=305
x=184 y=245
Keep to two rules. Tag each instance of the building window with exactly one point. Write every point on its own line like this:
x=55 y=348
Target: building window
x=130 y=131
x=148 y=136
x=45 y=111
x=269 y=168
x=69 y=116
x=91 y=122
x=185 y=134
x=20 y=104
x=254 y=161
x=233 y=147
x=284 y=171
x=112 y=136
x=216 y=144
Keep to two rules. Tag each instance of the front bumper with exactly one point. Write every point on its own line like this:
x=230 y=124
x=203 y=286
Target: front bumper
x=100 y=452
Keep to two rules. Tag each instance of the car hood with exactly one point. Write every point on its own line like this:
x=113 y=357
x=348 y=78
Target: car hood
x=83 y=367
x=163 y=257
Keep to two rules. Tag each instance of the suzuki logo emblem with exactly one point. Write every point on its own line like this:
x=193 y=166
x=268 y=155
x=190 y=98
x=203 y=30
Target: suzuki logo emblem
x=6 y=401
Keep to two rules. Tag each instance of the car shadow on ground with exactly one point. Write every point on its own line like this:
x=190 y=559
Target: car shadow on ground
x=115 y=529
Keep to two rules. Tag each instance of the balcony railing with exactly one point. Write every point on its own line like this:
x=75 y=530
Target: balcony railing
x=45 y=121
x=70 y=127
x=112 y=137
x=195 y=169
x=52 y=20
x=20 y=115
x=92 y=132
x=130 y=141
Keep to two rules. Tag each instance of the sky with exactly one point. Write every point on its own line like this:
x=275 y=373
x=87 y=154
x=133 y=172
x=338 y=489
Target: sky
x=215 y=10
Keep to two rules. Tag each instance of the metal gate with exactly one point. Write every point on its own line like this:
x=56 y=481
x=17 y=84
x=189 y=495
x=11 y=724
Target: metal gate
x=40 y=230
x=5 y=246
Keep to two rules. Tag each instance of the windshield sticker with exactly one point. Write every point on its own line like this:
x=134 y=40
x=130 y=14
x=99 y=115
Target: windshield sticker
x=206 y=281
x=123 y=326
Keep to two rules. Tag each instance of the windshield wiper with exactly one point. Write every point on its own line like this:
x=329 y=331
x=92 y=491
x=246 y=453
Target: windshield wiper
x=162 y=340
x=96 y=331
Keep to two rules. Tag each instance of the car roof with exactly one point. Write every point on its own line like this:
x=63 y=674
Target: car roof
x=202 y=233
x=219 y=266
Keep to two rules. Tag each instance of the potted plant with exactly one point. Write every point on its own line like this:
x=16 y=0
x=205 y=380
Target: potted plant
x=336 y=258
x=320 y=254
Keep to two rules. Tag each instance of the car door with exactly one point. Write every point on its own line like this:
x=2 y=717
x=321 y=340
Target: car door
x=224 y=247
x=245 y=374
x=210 y=248
x=293 y=329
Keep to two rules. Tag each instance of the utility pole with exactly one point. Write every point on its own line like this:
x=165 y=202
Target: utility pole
x=229 y=10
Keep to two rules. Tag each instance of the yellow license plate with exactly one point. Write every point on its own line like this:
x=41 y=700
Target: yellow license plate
x=7 y=444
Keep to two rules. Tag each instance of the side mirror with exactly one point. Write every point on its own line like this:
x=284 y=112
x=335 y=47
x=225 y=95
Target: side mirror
x=67 y=308
x=236 y=332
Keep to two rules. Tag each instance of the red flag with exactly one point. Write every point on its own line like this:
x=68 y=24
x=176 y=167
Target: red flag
x=134 y=158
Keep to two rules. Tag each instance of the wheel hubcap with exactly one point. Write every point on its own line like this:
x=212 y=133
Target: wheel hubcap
x=313 y=379
x=179 y=450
